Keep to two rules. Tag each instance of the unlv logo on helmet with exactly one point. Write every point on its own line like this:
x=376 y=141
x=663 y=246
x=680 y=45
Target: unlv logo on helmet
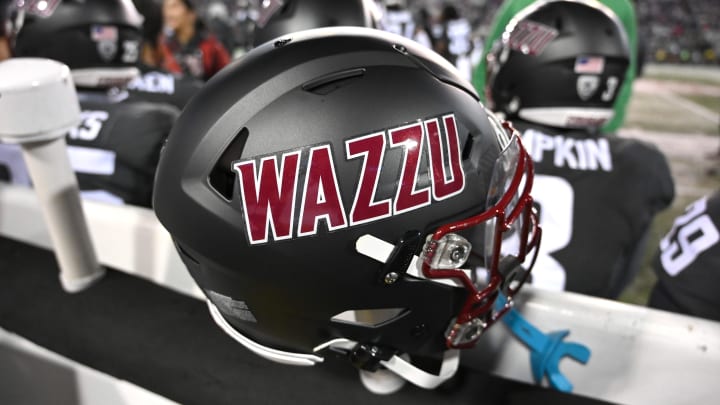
x=272 y=200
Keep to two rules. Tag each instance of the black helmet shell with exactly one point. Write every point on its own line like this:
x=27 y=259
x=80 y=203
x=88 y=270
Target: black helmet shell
x=560 y=55
x=315 y=91
x=84 y=34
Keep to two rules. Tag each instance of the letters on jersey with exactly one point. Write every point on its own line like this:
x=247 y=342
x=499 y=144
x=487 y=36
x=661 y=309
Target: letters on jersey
x=572 y=153
x=154 y=82
x=288 y=195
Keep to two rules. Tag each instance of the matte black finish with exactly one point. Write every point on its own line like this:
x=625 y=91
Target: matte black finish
x=548 y=79
x=299 y=15
x=65 y=35
x=323 y=86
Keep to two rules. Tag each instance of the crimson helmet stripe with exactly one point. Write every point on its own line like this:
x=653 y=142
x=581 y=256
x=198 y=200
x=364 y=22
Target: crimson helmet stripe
x=411 y=138
x=372 y=150
x=268 y=197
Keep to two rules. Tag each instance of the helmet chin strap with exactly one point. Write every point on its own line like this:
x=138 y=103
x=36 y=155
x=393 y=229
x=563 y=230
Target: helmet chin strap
x=379 y=250
x=278 y=356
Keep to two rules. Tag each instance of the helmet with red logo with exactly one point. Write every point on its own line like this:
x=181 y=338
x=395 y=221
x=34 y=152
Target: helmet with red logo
x=98 y=39
x=281 y=17
x=333 y=190
x=559 y=63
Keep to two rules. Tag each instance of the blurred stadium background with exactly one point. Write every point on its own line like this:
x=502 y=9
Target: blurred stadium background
x=677 y=107
x=672 y=31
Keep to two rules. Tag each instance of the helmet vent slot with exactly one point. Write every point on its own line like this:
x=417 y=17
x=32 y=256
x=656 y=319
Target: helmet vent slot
x=222 y=177
x=325 y=85
x=467 y=148
x=369 y=317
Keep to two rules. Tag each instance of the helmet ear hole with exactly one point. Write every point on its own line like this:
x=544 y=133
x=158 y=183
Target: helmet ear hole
x=222 y=177
x=467 y=148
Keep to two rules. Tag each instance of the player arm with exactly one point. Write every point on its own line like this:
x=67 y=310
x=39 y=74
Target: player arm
x=628 y=266
x=660 y=188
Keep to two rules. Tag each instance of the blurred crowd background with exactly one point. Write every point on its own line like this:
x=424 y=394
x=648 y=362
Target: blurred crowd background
x=670 y=31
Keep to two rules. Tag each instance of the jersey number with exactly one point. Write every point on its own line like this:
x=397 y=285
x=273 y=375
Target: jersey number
x=692 y=233
x=90 y=125
x=555 y=197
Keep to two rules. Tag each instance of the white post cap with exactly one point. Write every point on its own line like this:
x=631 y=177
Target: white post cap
x=37 y=100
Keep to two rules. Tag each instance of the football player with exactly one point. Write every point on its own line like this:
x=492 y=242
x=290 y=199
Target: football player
x=115 y=149
x=623 y=9
x=398 y=19
x=454 y=42
x=687 y=263
x=556 y=72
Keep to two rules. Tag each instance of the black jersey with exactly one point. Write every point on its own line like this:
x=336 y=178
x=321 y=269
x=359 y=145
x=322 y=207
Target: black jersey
x=687 y=263
x=114 y=151
x=596 y=197
x=158 y=86
x=117 y=146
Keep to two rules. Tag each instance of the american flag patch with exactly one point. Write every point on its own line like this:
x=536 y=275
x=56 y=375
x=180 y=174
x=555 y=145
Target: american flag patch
x=100 y=33
x=589 y=64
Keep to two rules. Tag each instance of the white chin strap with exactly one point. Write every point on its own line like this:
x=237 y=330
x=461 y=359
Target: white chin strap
x=279 y=356
x=379 y=250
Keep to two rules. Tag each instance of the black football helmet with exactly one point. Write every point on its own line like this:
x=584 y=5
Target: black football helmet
x=559 y=63
x=98 y=39
x=333 y=189
x=282 y=17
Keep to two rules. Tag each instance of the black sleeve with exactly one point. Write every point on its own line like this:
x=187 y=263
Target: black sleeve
x=134 y=133
x=629 y=265
x=687 y=262
x=654 y=193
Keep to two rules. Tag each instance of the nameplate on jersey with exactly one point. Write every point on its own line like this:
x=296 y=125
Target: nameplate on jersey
x=587 y=154
x=153 y=82
x=297 y=193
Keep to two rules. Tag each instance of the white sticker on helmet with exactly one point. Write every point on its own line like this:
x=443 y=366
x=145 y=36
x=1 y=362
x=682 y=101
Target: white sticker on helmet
x=587 y=86
x=230 y=307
